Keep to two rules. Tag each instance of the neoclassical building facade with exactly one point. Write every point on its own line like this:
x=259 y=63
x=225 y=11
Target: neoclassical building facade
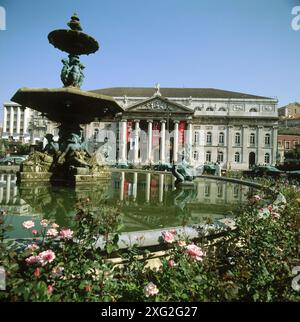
x=165 y=125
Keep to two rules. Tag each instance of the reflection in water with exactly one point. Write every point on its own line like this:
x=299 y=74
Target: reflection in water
x=146 y=200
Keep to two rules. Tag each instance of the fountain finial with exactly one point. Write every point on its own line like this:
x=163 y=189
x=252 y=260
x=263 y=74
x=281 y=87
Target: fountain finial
x=74 y=23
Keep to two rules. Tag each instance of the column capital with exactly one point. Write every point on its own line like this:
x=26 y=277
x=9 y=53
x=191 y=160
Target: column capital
x=136 y=121
x=176 y=121
x=244 y=126
x=123 y=120
x=150 y=121
x=260 y=126
x=163 y=121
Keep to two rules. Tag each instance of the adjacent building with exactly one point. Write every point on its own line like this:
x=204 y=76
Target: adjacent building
x=287 y=143
x=22 y=124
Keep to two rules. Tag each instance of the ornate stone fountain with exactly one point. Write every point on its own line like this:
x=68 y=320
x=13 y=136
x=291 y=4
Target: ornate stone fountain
x=67 y=161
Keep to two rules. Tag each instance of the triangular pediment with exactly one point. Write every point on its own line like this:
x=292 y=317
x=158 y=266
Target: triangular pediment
x=158 y=104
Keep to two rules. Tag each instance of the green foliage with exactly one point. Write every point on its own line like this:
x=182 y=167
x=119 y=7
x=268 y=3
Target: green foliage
x=253 y=262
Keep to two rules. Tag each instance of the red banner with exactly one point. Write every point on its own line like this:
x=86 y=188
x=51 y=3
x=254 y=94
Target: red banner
x=181 y=129
x=129 y=130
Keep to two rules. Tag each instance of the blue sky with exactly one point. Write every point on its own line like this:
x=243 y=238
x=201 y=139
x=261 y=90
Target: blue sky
x=238 y=45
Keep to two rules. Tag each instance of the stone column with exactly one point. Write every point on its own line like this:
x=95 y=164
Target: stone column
x=176 y=138
x=136 y=141
x=163 y=141
x=4 y=119
x=245 y=155
x=274 y=145
x=161 y=188
x=8 y=185
x=122 y=181
x=189 y=141
x=148 y=186
x=123 y=143
x=135 y=183
x=18 y=121
x=260 y=145
x=149 y=142
x=11 y=124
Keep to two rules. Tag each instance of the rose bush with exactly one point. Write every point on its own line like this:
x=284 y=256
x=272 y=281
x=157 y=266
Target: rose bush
x=253 y=261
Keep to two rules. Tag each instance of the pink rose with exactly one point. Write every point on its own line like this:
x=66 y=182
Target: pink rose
x=34 y=232
x=37 y=272
x=52 y=232
x=32 y=260
x=44 y=223
x=168 y=237
x=32 y=247
x=46 y=257
x=150 y=290
x=28 y=224
x=66 y=233
x=195 y=252
x=171 y=263
x=50 y=289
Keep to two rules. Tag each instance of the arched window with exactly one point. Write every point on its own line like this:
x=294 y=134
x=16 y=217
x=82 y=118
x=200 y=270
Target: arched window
x=237 y=157
x=267 y=158
x=221 y=138
x=220 y=156
x=222 y=109
x=267 y=139
x=208 y=156
x=252 y=139
x=196 y=155
x=208 y=138
x=209 y=108
x=237 y=139
x=253 y=110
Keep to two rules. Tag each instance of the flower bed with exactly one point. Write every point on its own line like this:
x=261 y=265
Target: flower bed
x=254 y=261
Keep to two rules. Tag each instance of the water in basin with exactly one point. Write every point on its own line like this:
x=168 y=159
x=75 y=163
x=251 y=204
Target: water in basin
x=146 y=201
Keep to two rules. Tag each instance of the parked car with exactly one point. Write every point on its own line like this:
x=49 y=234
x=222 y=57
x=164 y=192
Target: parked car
x=14 y=160
x=264 y=170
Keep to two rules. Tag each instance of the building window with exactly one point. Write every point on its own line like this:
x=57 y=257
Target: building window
x=208 y=156
x=196 y=137
x=295 y=144
x=237 y=157
x=208 y=138
x=221 y=138
x=220 y=156
x=252 y=139
x=267 y=139
x=96 y=133
x=287 y=145
x=279 y=143
x=222 y=109
x=253 y=110
x=237 y=139
x=209 y=109
x=196 y=156
x=267 y=158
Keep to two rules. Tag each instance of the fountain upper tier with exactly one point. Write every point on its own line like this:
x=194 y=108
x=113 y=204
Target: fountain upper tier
x=68 y=104
x=73 y=41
